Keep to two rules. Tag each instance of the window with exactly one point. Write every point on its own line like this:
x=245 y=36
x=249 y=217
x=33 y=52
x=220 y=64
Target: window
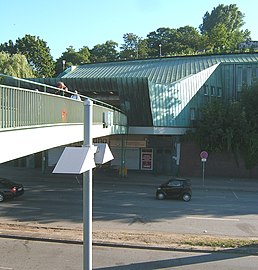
x=175 y=184
x=192 y=114
x=213 y=91
x=239 y=79
x=206 y=90
x=219 y=92
x=249 y=76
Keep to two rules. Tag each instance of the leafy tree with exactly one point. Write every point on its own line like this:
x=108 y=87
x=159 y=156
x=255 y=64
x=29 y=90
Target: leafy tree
x=218 y=38
x=8 y=47
x=189 y=39
x=249 y=150
x=130 y=47
x=36 y=51
x=224 y=22
x=210 y=132
x=231 y=127
x=162 y=41
x=38 y=55
x=133 y=47
x=104 y=52
x=230 y=16
x=184 y=40
x=72 y=58
x=15 y=65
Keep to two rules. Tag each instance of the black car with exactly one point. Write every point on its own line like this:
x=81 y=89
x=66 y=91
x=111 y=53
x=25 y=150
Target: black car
x=175 y=188
x=9 y=189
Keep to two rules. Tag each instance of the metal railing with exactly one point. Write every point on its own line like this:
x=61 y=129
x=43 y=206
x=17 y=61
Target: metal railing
x=20 y=107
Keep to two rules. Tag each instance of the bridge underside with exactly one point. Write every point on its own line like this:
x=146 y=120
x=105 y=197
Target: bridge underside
x=23 y=142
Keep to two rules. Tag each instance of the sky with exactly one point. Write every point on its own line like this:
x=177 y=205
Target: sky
x=78 y=23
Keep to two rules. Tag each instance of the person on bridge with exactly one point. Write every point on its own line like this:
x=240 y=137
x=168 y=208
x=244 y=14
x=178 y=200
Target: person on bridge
x=64 y=89
x=76 y=95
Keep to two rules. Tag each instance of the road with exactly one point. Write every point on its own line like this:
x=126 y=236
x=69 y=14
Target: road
x=30 y=255
x=128 y=205
x=119 y=204
x=218 y=213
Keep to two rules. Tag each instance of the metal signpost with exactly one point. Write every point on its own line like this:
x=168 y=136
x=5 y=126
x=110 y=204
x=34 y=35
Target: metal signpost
x=76 y=160
x=204 y=156
x=87 y=191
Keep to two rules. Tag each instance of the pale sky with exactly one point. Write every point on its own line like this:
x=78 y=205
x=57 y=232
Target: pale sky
x=78 y=23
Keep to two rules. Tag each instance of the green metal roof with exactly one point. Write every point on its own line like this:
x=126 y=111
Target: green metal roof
x=161 y=70
x=162 y=92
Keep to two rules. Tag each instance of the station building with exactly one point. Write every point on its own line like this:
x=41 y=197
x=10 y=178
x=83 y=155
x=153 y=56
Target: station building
x=162 y=98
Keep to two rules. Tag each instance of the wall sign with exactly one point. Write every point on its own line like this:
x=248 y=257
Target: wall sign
x=146 y=159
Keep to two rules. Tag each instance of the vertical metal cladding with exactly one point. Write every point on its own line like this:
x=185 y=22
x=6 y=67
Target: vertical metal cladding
x=162 y=92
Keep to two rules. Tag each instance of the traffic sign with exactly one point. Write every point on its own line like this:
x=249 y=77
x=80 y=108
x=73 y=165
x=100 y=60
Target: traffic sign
x=204 y=155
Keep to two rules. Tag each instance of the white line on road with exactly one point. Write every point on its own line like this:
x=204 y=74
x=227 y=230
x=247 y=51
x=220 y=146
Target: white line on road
x=235 y=195
x=208 y=218
x=22 y=207
x=6 y=268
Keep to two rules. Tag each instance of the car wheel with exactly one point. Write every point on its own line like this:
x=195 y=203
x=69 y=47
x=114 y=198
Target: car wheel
x=160 y=196
x=186 y=197
x=1 y=197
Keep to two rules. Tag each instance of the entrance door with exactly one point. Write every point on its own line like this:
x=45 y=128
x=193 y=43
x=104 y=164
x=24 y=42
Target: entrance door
x=164 y=161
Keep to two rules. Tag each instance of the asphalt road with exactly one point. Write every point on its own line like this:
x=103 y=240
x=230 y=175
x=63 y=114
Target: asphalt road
x=30 y=255
x=232 y=213
x=125 y=204
x=120 y=204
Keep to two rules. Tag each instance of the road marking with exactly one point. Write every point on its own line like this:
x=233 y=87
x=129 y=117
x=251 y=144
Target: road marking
x=235 y=195
x=208 y=218
x=115 y=214
x=6 y=268
x=22 y=207
x=215 y=196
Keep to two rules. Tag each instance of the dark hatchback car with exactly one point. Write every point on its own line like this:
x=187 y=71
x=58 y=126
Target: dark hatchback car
x=175 y=188
x=9 y=189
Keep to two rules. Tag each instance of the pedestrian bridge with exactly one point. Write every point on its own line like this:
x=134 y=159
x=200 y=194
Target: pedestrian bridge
x=33 y=120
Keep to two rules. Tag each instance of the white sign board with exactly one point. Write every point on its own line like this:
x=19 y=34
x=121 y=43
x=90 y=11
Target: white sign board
x=76 y=160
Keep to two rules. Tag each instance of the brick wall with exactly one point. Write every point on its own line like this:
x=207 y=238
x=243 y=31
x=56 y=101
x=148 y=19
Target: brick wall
x=218 y=164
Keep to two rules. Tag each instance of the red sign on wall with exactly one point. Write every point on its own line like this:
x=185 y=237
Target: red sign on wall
x=146 y=159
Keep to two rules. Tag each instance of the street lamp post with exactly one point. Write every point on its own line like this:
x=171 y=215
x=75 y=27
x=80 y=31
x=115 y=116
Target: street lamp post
x=160 y=54
x=63 y=61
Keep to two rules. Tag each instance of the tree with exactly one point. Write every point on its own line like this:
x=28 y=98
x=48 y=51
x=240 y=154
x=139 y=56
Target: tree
x=38 y=55
x=218 y=38
x=224 y=22
x=162 y=41
x=189 y=39
x=210 y=132
x=133 y=47
x=104 y=52
x=230 y=16
x=72 y=58
x=167 y=41
x=36 y=52
x=231 y=127
x=8 y=47
x=249 y=99
x=15 y=65
x=130 y=47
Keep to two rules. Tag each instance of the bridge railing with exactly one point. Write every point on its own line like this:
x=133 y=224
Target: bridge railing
x=21 y=108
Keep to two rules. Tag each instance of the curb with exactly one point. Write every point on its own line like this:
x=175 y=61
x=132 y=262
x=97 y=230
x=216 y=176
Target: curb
x=176 y=247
